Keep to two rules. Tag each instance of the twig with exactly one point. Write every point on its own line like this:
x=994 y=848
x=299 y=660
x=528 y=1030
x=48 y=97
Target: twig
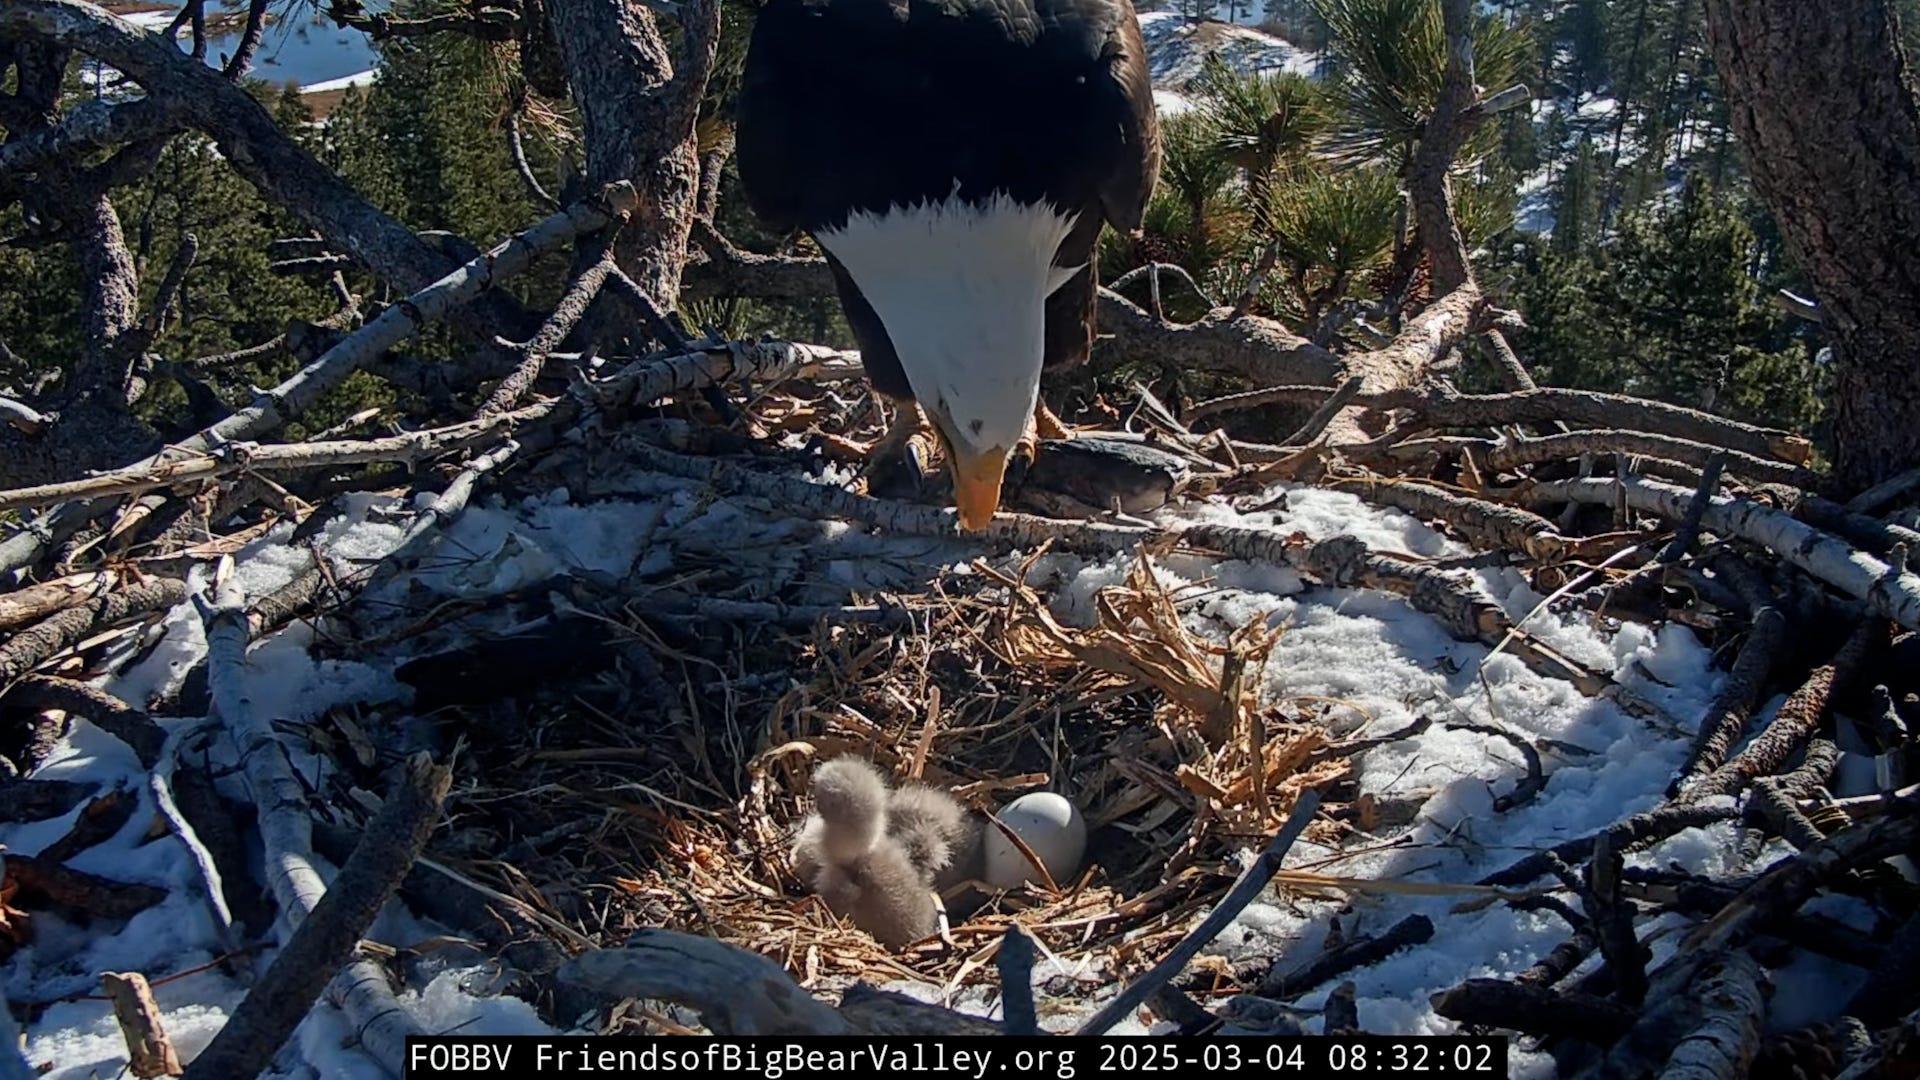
x=1515 y=453
x=1612 y=919
x=437 y=515
x=1773 y=800
x=1688 y=533
x=1792 y=725
x=1324 y=415
x=566 y=314
x=1783 y=889
x=1254 y=399
x=1727 y=714
x=409 y=449
x=518 y=150
x=1884 y=492
x=149 y=1051
x=41 y=800
x=23 y=417
x=1015 y=962
x=400 y=321
x=1533 y=1008
x=1245 y=888
x=24 y=549
x=330 y=932
x=1486 y=524
x=97 y=823
x=1560 y=962
x=80 y=891
x=1527 y=789
x=206 y=867
x=1646 y=828
x=34 y=645
x=1355 y=953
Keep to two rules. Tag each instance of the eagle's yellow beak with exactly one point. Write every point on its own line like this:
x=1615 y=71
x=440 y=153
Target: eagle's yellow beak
x=976 y=486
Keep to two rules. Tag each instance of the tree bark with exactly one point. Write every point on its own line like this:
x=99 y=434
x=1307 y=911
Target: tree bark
x=95 y=424
x=1823 y=104
x=638 y=103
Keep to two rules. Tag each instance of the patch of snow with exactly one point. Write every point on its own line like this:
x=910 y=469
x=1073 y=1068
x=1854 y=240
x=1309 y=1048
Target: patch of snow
x=1168 y=103
x=345 y=82
x=153 y=22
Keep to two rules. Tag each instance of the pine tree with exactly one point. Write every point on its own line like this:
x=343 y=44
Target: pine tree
x=1576 y=212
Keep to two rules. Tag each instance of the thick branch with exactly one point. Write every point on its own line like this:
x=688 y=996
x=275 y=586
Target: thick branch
x=1891 y=592
x=88 y=126
x=324 y=939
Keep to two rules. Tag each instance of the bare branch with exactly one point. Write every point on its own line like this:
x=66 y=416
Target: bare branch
x=1246 y=888
x=517 y=148
x=1894 y=593
x=324 y=940
x=485 y=23
x=566 y=314
x=402 y=320
x=23 y=417
x=410 y=448
x=87 y=126
x=1515 y=453
x=242 y=59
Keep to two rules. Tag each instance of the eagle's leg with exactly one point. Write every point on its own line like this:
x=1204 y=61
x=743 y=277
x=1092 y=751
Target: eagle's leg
x=898 y=464
x=1043 y=425
x=1048 y=426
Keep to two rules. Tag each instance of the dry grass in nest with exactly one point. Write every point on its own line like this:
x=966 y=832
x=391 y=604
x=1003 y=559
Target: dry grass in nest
x=1154 y=731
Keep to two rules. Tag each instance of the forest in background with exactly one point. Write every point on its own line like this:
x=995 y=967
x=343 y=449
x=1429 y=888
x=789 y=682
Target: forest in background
x=1611 y=212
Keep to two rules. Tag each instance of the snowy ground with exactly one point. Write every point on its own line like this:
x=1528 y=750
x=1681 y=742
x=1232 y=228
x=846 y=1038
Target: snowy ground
x=1369 y=649
x=1177 y=49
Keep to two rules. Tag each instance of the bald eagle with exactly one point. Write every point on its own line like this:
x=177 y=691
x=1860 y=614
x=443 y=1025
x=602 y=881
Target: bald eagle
x=955 y=160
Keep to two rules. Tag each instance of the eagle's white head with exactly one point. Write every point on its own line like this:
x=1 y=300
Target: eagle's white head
x=962 y=289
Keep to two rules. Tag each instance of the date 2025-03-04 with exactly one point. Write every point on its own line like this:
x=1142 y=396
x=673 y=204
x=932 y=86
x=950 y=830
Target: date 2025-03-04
x=977 y=1058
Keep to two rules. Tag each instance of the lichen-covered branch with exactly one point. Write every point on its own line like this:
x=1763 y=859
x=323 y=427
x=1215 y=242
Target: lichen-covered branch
x=1894 y=593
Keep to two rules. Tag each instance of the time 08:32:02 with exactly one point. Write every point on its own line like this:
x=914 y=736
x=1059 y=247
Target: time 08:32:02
x=1321 y=1056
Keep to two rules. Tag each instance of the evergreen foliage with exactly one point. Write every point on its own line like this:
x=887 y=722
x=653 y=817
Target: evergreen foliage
x=1649 y=270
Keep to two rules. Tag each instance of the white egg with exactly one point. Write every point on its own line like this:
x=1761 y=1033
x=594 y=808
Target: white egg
x=1048 y=824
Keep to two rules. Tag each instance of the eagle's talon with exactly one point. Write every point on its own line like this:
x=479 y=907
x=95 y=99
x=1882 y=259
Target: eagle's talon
x=1020 y=463
x=898 y=465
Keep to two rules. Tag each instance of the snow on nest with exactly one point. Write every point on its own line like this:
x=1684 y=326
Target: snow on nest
x=1177 y=49
x=1371 y=650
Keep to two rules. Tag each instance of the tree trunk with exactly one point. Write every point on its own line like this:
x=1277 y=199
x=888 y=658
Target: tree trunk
x=96 y=428
x=638 y=113
x=1824 y=109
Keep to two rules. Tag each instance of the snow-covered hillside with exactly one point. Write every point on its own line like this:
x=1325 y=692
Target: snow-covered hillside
x=1177 y=50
